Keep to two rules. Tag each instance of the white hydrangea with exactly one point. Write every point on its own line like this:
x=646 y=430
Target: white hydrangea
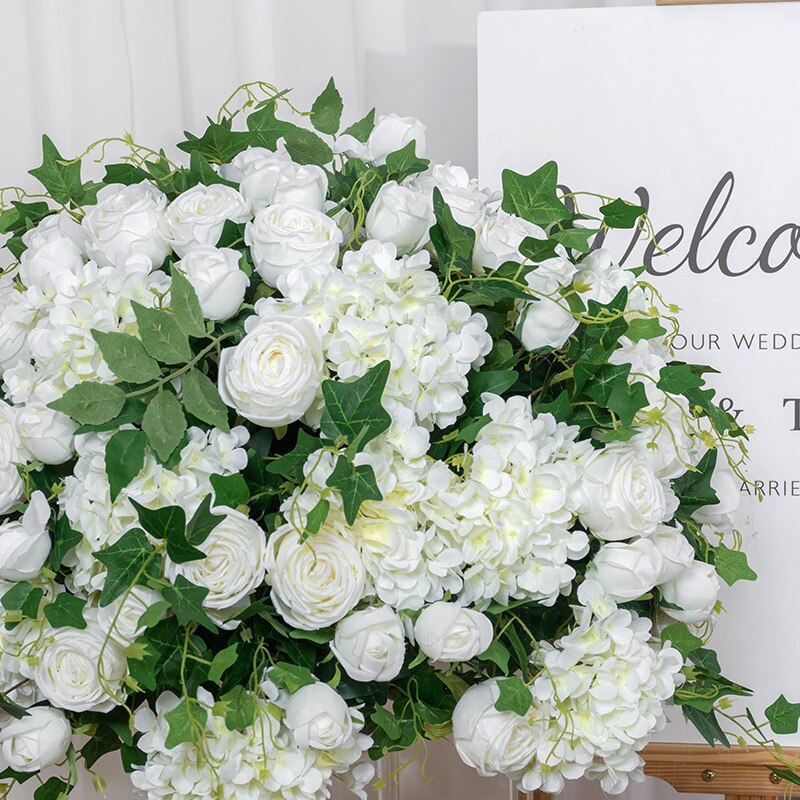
x=261 y=761
x=86 y=498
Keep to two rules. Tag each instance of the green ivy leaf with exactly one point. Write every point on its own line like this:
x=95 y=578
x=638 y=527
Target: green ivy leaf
x=574 y=238
x=90 y=402
x=497 y=653
x=64 y=539
x=694 y=489
x=125 y=452
x=494 y=381
x=202 y=522
x=783 y=716
x=230 y=490
x=169 y=523
x=62 y=181
x=24 y=598
x=645 y=328
x=514 y=696
x=681 y=638
x=240 y=709
x=537 y=250
x=291 y=676
x=126 y=174
x=404 y=162
x=326 y=112
x=534 y=197
x=52 y=789
x=732 y=566
x=186 y=600
x=186 y=723
x=222 y=661
x=707 y=724
x=161 y=335
x=619 y=214
x=353 y=409
x=316 y=517
x=126 y=357
x=124 y=561
x=678 y=378
x=706 y=659
x=363 y=128
x=164 y=423
x=201 y=399
x=66 y=611
x=290 y=465
x=219 y=143
x=387 y=722
x=453 y=243
x=186 y=305
x=355 y=484
x=154 y=614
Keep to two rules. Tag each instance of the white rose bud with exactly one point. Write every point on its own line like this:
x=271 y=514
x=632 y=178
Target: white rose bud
x=234 y=566
x=68 y=671
x=727 y=487
x=48 y=435
x=467 y=202
x=695 y=591
x=25 y=544
x=273 y=376
x=198 y=216
x=126 y=221
x=54 y=247
x=318 y=717
x=448 y=632
x=676 y=552
x=314 y=583
x=489 y=740
x=11 y=488
x=285 y=236
x=390 y=134
x=36 y=741
x=622 y=496
x=217 y=280
x=120 y=619
x=370 y=644
x=401 y=216
x=545 y=322
x=627 y=570
x=266 y=178
x=499 y=240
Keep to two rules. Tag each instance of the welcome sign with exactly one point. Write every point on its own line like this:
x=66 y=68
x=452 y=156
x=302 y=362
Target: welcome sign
x=692 y=113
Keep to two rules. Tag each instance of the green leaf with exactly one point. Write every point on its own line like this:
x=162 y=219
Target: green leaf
x=694 y=489
x=681 y=638
x=493 y=381
x=732 y=566
x=678 y=378
x=126 y=174
x=125 y=452
x=52 y=789
x=290 y=676
x=126 y=357
x=240 y=708
x=64 y=539
x=363 y=128
x=305 y=147
x=90 y=402
x=326 y=112
x=160 y=522
x=707 y=724
x=291 y=464
x=62 y=181
x=645 y=328
x=202 y=522
x=537 y=250
x=124 y=561
x=186 y=723
x=230 y=490
x=154 y=614
x=514 y=696
x=161 y=335
x=222 y=661
x=574 y=238
x=387 y=722
x=18 y=712
x=453 y=243
x=186 y=306
x=316 y=517
x=355 y=484
x=497 y=653
x=534 y=197
x=186 y=600
x=66 y=611
x=164 y=423
x=23 y=216
x=610 y=388
x=353 y=409
x=706 y=659
x=132 y=410
x=201 y=399
x=619 y=214
x=219 y=143
x=404 y=162
x=24 y=598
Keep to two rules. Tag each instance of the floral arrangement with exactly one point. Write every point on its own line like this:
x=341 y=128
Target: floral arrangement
x=312 y=450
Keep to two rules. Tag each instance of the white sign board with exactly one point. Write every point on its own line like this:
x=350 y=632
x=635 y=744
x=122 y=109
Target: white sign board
x=695 y=111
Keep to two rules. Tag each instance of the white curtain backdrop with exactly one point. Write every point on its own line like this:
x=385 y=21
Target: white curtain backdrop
x=80 y=70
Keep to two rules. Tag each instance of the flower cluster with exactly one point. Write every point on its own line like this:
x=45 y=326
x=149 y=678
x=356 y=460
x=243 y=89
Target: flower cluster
x=311 y=450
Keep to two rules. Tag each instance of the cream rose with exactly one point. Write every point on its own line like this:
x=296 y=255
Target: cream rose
x=675 y=550
x=25 y=544
x=448 y=632
x=401 y=216
x=318 y=717
x=390 y=134
x=48 y=435
x=627 y=570
x=316 y=582
x=54 y=246
x=36 y=741
x=695 y=591
x=126 y=221
x=499 y=240
x=11 y=454
x=370 y=644
x=120 y=619
x=273 y=376
x=216 y=278
x=288 y=235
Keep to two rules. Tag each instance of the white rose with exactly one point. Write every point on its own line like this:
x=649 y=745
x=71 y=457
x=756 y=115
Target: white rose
x=318 y=717
x=127 y=220
x=545 y=322
x=198 y=216
x=53 y=247
x=18 y=319
x=370 y=644
x=120 y=619
x=273 y=375
x=401 y=216
x=600 y=279
x=288 y=235
x=234 y=566
x=467 y=202
x=627 y=570
x=25 y=543
x=695 y=591
x=217 y=280
x=727 y=487
x=36 y=741
x=390 y=134
x=676 y=552
x=48 y=435
x=68 y=671
x=499 y=240
x=622 y=496
x=316 y=582
x=489 y=740
x=447 y=632
x=11 y=488
x=266 y=178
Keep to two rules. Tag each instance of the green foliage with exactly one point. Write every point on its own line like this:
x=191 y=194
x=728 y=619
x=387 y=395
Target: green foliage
x=162 y=335
x=732 y=566
x=186 y=306
x=290 y=676
x=326 y=112
x=534 y=197
x=290 y=465
x=619 y=214
x=201 y=399
x=66 y=611
x=707 y=724
x=361 y=129
x=91 y=403
x=61 y=180
x=186 y=723
x=681 y=638
x=126 y=357
x=404 y=163
x=186 y=601
x=783 y=716
x=64 y=539
x=240 y=708
x=230 y=490
x=202 y=522
x=125 y=452
x=694 y=489
x=514 y=696
x=52 y=789
x=164 y=423
x=356 y=484
x=453 y=243
x=222 y=661
x=124 y=561
x=24 y=598
x=169 y=524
